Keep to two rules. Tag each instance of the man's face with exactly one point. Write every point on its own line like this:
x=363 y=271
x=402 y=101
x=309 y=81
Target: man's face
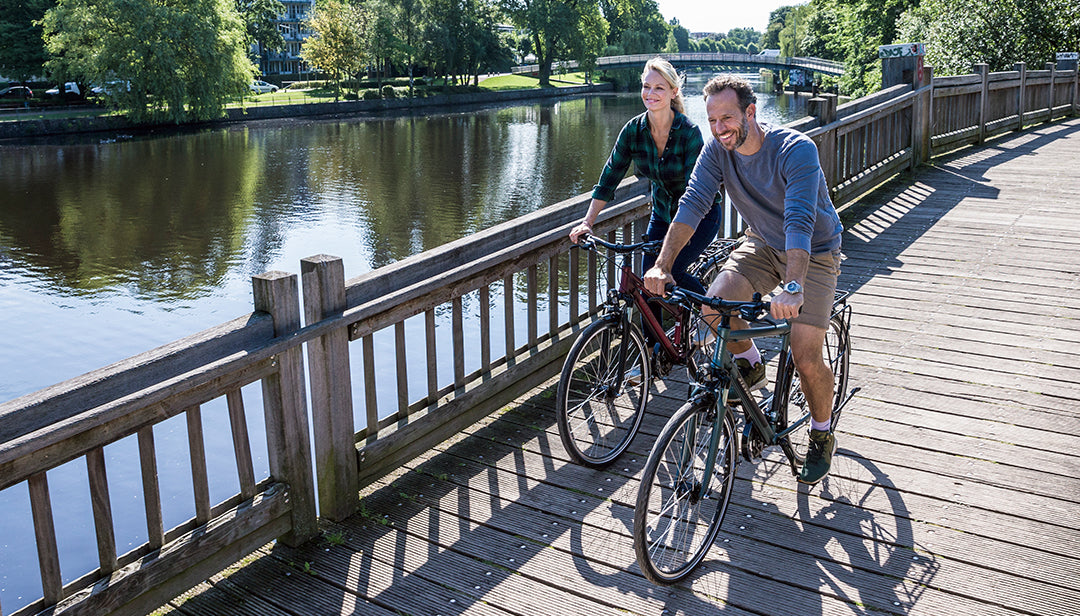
x=728 y=124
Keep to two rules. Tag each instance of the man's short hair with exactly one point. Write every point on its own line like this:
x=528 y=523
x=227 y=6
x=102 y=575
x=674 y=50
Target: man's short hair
x=742 y=87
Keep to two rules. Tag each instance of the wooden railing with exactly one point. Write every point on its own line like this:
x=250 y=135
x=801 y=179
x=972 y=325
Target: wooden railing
x=867 y=141
x=256 y=361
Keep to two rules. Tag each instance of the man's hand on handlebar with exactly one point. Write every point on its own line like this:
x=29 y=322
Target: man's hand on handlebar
x=657 y=280
x=786 y=305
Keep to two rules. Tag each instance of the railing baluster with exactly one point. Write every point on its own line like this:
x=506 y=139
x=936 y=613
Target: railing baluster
x=592 y=289
x=402 y=369
x=371 y=398
x=241 y=443
x=532 y=307
x=553 y=293
x=45 y=534
x=459 y=341
x=485 y=328
x=432 y=364
x=572 y=282
x=102 y=508
x=199 y=478
x=508 y=316
x=155 y=530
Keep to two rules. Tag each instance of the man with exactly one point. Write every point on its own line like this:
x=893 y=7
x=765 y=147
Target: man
x=774 y=179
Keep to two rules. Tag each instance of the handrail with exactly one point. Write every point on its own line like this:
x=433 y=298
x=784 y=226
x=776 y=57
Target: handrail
x=528 y=261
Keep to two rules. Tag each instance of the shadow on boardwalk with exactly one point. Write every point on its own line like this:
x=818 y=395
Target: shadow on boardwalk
x=955 y=490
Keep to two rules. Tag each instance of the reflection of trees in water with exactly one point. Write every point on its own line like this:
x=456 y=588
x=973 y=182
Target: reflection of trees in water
x=162 y=217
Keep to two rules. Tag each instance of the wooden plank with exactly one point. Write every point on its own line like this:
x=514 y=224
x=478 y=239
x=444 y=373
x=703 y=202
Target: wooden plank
x=432 y=363
x=102 y=508
x=241 y=445
x=45 y=537
x=200 y=480
x=485 y=328
x=155 y=529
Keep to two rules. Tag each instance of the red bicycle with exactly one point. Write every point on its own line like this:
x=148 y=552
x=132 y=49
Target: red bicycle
x=604 y=385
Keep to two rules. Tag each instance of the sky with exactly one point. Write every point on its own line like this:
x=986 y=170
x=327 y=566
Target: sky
x=722 y=15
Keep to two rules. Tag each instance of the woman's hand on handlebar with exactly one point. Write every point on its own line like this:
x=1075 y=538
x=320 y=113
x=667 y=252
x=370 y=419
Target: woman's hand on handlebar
x=582 y=229
x=657 y=281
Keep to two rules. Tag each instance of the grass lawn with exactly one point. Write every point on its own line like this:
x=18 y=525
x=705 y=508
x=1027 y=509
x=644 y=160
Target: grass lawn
x=296 y=96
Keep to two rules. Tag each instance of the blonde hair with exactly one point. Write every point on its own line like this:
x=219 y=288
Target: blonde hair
x=670 y=75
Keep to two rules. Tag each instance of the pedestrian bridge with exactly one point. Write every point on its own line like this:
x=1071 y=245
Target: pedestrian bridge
x=688 y=60
x=955 y=489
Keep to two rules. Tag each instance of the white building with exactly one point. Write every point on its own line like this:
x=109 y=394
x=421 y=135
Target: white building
x=287 y=61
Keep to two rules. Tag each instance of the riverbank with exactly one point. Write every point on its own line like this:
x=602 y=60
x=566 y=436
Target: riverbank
x=61 y=126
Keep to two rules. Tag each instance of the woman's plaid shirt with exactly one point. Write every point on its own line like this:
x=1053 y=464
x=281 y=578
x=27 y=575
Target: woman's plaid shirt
x=669 y=173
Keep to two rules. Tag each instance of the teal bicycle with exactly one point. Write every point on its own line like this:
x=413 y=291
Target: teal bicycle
x=687 y=481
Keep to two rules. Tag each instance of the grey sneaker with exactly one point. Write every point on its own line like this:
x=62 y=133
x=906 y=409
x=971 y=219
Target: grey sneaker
x=753 y=375
x=818 y=456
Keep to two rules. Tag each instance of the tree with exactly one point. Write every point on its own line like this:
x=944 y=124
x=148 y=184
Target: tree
x=337 y=43
x=260 y=22
x=553 y=26
x=681 y=36
x=22 y=51
x=180 y=60
x=960 y=33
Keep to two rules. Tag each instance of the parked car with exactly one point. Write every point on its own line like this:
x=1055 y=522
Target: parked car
x=69 y=88
x=111 y=87
x=20 y=92
x=261 y=87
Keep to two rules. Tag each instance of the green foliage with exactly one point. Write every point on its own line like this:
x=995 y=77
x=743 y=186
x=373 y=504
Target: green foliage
x=388 y=92
x=260 y=22
x=180 y=60
x=22 y=52
x=849 y=31
x=960 y=33
x=337 y=43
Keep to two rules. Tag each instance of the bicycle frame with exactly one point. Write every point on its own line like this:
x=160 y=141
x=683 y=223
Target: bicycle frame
x=728 y=375
x=632 y=290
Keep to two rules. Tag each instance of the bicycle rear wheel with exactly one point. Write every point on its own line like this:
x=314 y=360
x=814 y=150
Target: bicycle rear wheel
x=675 y=522
x=602 y=393
x=837 y=355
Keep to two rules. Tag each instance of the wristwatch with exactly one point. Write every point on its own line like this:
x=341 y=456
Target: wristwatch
x=792 y=287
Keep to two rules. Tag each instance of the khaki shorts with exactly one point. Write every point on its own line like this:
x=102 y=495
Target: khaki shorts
x=765 y=267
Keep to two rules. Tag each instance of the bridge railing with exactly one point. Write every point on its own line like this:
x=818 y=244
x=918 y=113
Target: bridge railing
x=697 y=59
x=865 y=142
x=473 y=360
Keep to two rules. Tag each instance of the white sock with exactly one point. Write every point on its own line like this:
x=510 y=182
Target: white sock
x=751 y=355
x=820 y=425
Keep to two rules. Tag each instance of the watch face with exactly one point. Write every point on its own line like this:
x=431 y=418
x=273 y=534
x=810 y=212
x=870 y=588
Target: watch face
x=793 y=287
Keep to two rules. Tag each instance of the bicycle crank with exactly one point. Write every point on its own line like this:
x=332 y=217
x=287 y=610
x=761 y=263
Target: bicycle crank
x=752 y=444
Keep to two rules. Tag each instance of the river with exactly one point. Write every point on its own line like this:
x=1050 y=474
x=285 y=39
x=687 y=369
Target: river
x=111 y=245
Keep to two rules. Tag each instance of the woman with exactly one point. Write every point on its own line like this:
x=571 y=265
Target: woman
x=664 y=144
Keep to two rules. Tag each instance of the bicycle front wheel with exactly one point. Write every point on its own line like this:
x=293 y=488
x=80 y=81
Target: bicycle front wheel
x=836 y=352
x=602 y=393
x=681 y=500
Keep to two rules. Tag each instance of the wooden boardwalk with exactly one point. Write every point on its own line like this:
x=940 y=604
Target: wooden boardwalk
x=956 y=488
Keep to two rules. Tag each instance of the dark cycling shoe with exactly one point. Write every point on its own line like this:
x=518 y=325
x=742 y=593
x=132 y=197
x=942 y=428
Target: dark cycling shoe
x=753 y=375
x=818 y=456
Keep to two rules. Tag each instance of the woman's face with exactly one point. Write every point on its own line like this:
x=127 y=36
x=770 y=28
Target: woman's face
x=656 y=92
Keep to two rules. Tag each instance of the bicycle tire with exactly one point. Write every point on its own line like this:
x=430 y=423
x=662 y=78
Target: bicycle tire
x=837 y=355
x=673 y=526
x=598 y=410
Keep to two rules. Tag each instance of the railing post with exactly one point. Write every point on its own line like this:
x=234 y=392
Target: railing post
x=323 y=278
x=921 y=125
x=1020 y=98
x=1051 y=66
x=823 y=108
x=285 y=403
x=983 y=70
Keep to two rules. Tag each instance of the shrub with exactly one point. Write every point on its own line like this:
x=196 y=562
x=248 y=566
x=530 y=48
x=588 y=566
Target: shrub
x=370 y=95
x=388 y=92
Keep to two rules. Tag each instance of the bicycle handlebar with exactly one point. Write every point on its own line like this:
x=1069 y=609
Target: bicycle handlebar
x=651 y=247
x=751 y=311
